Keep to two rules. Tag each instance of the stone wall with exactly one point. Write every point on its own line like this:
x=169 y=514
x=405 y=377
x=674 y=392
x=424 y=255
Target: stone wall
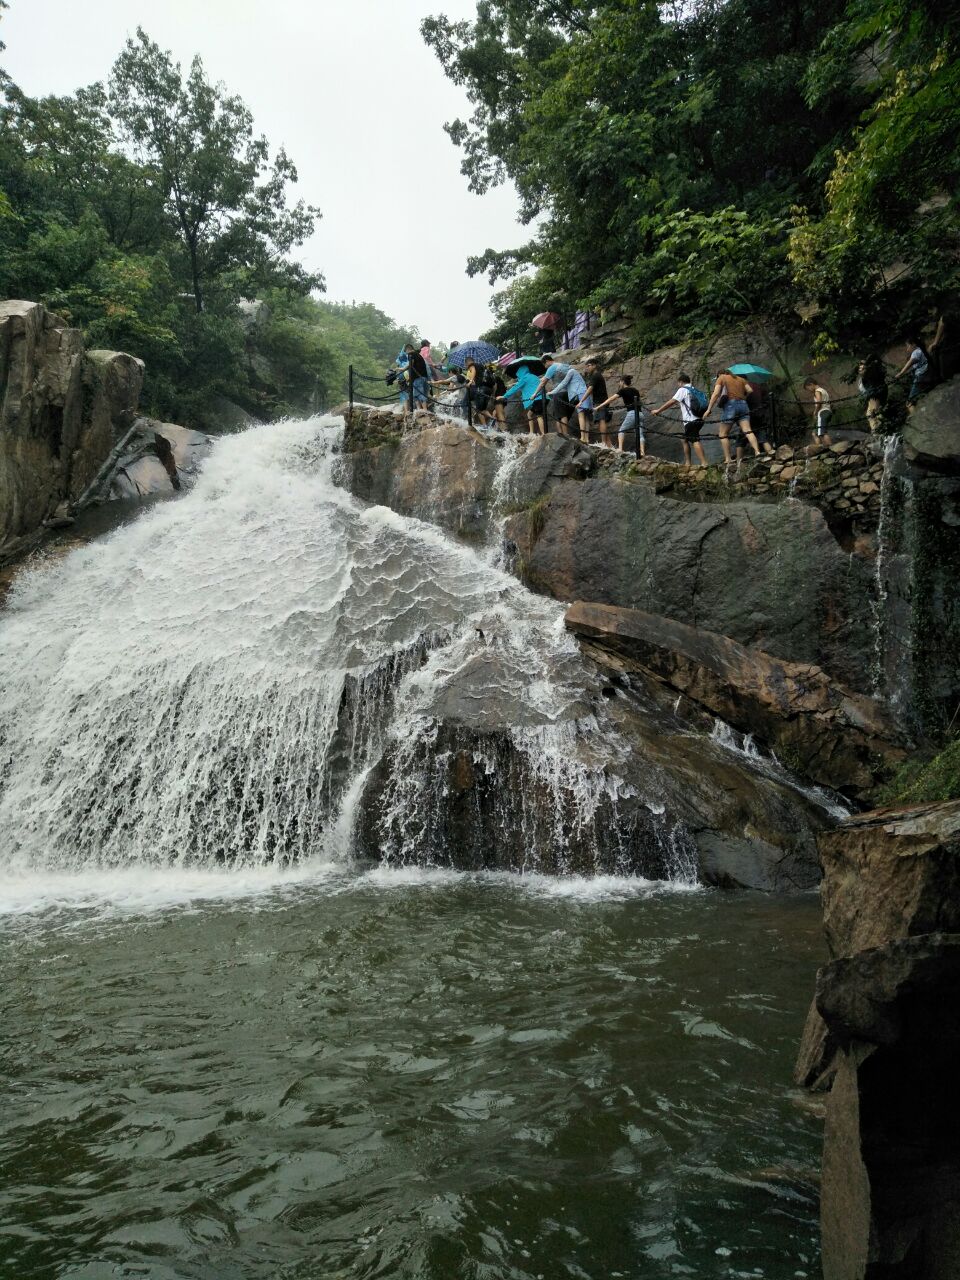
x=60 y=410
x=843 y=480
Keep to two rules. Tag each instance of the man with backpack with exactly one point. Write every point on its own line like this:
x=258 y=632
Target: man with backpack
x=693 y=404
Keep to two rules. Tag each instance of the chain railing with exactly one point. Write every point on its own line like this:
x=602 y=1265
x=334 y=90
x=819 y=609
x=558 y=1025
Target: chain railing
x=770 y=424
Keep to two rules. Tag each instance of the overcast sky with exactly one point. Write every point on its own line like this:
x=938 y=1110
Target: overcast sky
x=358 y=100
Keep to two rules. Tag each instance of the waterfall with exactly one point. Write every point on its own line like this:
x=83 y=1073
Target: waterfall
x=223 y=681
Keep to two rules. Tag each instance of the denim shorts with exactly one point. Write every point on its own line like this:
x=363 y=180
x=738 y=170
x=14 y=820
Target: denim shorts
x=823 y=421
x=734 y=410
x=587 y=405
x=421 y=389
x=628 y=424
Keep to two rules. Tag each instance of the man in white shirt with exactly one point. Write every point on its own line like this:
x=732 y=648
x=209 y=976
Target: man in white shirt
x=692 y=417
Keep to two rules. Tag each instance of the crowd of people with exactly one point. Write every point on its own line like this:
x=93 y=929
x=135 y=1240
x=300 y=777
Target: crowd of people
x=579 y=404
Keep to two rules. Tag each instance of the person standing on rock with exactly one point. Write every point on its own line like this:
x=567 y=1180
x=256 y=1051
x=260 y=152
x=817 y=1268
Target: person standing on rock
x=629 y=396
x=872 y=385
x=565 y=394
x=692 y=405
x=918 y=367
x=417 y=371
x=730 y=393
x=822 y=412
x=529 y=387
x=587 y=406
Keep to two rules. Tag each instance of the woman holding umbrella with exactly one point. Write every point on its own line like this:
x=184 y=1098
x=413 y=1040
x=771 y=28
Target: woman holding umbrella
x=545 y=323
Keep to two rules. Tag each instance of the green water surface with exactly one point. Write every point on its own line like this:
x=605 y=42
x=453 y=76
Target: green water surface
x=405 y=1075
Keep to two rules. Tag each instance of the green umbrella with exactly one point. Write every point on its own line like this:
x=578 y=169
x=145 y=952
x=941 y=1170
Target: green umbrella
x=751 y=371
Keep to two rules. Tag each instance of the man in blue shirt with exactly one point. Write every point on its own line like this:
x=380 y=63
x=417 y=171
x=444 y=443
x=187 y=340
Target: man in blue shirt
x=566 y=393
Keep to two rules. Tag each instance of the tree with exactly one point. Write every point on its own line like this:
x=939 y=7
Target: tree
x=615 y=116
x=886 y=244
x=226 y=199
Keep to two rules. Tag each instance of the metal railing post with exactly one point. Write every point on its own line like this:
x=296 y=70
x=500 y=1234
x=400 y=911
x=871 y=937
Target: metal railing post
x=351 y=390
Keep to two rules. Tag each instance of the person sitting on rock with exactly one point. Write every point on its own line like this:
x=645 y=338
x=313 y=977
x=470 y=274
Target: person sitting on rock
x=588 y=407
x=872 y=385
x=690 y=402
x=822 y=412
x=629 y=396
x=918 y=367
x=730 y=392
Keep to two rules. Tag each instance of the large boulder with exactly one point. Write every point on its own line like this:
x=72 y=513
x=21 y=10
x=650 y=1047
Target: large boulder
x=443 y=473
x=161 y=456
x=60 y=412
x=890 y=1193
x=41 y=408
x=891 y=873
x=931 y=435
x=112 y=384
x=770 y=576
x=659 y=798
x=884 y=1035
x=827 y=733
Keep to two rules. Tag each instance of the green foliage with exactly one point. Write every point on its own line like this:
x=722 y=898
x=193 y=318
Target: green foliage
x=701 y=270
x=875 y=256
x=924 y=779
x=710 y=160
x=516 y=305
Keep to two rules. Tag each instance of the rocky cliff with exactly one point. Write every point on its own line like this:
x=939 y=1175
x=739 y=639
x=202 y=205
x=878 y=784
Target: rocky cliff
x=883 y=1036
x=60 y=411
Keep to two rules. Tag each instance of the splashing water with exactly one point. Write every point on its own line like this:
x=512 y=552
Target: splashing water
x=214 y=683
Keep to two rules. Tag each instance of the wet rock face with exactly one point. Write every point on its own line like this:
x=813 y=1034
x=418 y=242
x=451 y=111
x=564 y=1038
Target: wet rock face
x=885 y=1033
x=828 y=733
x=931 y=435
x=112 y=385
x=917 y=573
x=475 y=790
x=772 y=576
x=443 y=474
x=161 y=456
x=41 y=371
x=59 y=411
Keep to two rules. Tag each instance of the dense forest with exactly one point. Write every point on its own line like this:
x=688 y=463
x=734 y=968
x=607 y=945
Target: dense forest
x=704 y=161
x=147 y=211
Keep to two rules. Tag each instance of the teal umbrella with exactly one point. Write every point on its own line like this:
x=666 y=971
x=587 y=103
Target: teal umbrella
x=751 y=371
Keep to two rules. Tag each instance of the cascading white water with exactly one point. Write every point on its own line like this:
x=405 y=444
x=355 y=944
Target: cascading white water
x=214 y=683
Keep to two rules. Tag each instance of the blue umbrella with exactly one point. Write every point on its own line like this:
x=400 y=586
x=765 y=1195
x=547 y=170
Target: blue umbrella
x=481 y=352
x=751 y=371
